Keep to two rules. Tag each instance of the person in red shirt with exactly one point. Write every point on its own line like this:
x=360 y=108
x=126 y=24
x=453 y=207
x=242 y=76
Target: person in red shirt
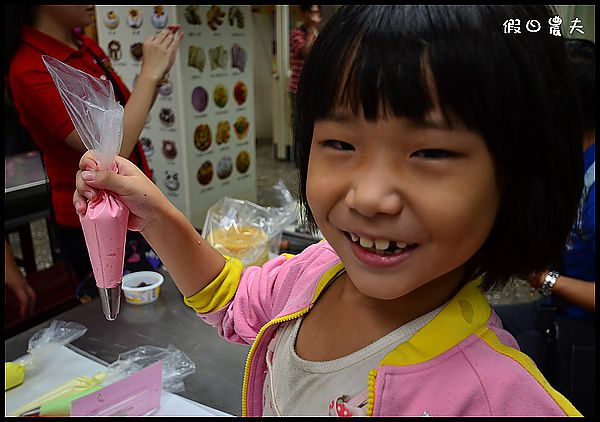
x=55 y=30
x=301 y=41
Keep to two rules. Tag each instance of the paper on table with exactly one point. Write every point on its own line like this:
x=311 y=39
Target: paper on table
x=136 y=395
x=174 y=405
x=66 y=364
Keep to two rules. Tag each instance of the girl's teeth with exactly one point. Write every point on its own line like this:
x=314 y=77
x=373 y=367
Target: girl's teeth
x=378 y=245
x=365 y=242
x=382 y=244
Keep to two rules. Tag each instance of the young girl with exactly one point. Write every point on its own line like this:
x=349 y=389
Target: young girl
x=438 y=157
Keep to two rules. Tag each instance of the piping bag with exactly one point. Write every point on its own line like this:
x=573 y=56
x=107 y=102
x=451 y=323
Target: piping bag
x=98 y=118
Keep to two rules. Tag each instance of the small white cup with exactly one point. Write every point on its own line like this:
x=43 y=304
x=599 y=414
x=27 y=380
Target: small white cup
x=137 y=295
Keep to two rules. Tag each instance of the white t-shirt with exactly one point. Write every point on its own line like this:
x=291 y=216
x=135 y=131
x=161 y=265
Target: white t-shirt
x=297 y=387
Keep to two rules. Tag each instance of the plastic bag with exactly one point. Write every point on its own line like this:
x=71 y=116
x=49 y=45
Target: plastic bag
x=43 y=343
x=176 y=365
x=91 y=104
x=98 y=118
x=247 y=231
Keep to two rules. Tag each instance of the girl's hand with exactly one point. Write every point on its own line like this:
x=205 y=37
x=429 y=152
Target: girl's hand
x=145 y=201
x=159 y=52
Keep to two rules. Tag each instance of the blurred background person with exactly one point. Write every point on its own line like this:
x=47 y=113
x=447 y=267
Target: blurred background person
x=16 y=281
x=302 y=39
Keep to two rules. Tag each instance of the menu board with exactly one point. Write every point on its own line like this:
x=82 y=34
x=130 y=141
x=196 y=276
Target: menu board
x=199 y=137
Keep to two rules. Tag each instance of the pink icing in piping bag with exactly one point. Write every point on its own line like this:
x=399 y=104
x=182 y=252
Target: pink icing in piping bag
x=105 y=228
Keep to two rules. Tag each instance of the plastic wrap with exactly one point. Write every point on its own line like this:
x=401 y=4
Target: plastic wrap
x=43 y=343
x=91 y=104
x=176 y=366
x=98 y=118
x=247 y=231
x=40 y=349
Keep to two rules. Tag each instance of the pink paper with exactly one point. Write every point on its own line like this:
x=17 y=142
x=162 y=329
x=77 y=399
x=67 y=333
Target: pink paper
x=136 y=395
x=105 y=227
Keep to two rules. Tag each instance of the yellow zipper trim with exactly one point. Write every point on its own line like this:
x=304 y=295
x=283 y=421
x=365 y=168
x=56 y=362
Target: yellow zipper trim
x=371 y=391
x=494 y=342
x=326 y=278
x=253 y=350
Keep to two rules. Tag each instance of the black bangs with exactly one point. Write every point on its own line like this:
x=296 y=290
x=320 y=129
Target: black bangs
x=401 y=61
x=348 y=75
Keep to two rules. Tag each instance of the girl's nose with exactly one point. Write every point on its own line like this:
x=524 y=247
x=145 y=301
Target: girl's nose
x=374 y=193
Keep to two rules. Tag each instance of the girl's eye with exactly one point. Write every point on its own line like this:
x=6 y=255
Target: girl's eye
x=433 y=154
x=339 y=145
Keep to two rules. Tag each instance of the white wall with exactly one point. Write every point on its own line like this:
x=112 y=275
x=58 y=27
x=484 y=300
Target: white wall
x=587 y=18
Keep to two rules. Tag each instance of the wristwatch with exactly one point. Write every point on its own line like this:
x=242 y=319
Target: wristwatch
x=548 y=283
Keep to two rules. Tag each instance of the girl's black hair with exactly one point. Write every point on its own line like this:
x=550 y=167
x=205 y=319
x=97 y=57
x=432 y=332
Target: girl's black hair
x=511 y=88
x=582 y=57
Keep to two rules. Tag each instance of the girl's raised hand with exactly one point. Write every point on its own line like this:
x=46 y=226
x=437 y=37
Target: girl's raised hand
x=159 y=52
x=143 y=198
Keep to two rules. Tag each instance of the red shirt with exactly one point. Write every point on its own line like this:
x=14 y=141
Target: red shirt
x=297 y=40
x=44 y=115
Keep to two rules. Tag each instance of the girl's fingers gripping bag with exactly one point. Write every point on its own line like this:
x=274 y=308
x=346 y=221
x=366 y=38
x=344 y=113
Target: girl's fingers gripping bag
x=98 y=118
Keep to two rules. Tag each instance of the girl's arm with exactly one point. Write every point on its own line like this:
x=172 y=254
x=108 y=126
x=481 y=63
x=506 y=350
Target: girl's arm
x=203 y=276
x=191 y=261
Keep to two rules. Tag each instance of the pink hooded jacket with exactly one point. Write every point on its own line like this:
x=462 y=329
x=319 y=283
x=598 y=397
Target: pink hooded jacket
x=462 y=363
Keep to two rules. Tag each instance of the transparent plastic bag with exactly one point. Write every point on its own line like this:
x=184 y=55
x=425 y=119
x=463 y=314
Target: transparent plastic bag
x=247 y=231
x=98 y=118
x=91 y=104
x=176 y=365
x=44 y=342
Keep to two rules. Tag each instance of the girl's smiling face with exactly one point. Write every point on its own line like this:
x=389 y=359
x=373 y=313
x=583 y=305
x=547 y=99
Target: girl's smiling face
x=425 y=192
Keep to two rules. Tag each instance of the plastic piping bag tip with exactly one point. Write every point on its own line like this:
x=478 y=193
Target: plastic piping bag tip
x=111 y=301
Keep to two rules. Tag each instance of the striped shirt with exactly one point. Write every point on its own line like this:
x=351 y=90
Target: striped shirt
x=297 y=40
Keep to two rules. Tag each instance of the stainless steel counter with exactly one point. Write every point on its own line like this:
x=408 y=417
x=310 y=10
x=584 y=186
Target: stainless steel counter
x=217 y=381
